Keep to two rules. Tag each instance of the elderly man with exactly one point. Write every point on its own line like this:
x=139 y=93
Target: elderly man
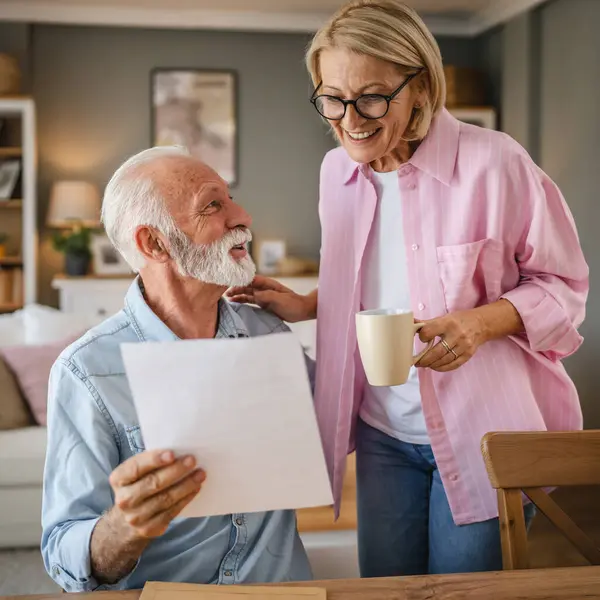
x=110 y=508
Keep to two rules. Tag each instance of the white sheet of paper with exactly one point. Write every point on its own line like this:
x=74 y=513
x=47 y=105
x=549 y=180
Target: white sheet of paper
x=243 y=407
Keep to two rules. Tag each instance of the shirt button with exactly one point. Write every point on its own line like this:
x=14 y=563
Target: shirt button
x=454 y=477
x=415 y=247
x=421 y=306
x=239 y=522
x=412 y=186
x=228 y=573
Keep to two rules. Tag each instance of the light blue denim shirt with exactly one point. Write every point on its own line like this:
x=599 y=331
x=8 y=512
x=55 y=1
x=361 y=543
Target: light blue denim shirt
x=93 y=427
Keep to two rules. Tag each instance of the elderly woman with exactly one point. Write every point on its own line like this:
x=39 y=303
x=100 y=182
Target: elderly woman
x=456 y=222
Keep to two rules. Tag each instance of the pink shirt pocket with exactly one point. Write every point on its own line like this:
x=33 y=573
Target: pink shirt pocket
x=471 y=274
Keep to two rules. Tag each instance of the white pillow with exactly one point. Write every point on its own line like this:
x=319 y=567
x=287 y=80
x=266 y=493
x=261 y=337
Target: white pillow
x=45 y=325
x=12 y=329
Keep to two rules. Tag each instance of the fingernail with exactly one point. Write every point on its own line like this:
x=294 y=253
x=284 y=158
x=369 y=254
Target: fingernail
x=189 y=462
x=167 y=457
x=199 y=476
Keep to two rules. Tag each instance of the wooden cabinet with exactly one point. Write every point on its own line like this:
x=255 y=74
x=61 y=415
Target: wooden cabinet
x=321 y=518
x=96 y=297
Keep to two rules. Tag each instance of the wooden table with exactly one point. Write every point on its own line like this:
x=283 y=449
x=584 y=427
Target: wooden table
x=574 y=582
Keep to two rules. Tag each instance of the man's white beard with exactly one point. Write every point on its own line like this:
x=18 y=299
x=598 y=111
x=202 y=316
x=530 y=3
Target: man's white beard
x=212 y=263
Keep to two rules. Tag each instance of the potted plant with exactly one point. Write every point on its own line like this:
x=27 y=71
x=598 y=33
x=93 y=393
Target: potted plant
x=76 y=247
x=3 y=238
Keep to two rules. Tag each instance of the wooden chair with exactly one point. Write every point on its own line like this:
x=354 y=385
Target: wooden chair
x=528 y=462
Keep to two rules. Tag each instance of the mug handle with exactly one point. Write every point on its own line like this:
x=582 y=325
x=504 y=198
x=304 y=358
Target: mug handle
x=416 y=359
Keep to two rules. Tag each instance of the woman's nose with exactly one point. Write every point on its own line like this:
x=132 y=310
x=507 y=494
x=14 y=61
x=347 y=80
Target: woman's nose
x=352 y=120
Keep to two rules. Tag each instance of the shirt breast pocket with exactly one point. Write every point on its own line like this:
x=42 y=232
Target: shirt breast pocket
x=134 y=438
x=471 y=274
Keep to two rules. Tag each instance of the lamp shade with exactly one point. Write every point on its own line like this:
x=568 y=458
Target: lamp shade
x=74 y=203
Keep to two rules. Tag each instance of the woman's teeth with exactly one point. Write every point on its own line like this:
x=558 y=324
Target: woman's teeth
x=362 y=135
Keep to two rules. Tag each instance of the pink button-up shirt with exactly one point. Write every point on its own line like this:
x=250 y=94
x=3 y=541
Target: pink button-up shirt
x=481 y=222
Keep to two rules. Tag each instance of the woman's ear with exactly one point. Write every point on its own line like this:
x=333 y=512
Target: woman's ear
x=421 y=87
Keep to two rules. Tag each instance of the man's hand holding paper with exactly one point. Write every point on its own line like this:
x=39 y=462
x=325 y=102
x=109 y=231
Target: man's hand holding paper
x=152 y=488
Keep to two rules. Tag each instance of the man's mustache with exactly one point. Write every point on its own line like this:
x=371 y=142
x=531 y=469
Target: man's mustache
x=237 y=237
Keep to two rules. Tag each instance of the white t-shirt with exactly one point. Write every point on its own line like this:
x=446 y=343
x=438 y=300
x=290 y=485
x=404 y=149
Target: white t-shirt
x=397 y=411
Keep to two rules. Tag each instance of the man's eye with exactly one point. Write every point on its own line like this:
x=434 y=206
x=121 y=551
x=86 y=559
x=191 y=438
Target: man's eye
x=214 y=204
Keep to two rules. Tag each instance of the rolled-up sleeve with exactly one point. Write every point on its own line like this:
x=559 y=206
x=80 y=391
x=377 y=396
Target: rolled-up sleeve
x=554 y=276
x=82 y=452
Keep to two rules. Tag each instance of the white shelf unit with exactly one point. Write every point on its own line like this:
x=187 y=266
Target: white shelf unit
x=22 y=109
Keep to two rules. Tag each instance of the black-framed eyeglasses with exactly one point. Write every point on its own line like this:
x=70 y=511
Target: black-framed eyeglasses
x=368 y=106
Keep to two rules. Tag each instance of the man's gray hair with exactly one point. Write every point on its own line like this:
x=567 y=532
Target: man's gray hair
x=132 y=199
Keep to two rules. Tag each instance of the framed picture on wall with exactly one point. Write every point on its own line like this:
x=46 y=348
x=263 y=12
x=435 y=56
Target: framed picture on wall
x=268 y=255
x=9 y=174
x=483 y=117
x=198 y=109
x=106 y=258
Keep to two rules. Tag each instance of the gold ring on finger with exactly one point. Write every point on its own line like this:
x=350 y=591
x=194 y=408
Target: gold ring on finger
x=445 y=344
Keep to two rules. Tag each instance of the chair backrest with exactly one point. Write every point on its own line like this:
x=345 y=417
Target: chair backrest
x=525 y=463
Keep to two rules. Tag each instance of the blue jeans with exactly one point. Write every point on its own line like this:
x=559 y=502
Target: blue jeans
x=405 y=526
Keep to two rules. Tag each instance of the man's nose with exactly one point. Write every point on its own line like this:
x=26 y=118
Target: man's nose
x=239 y=217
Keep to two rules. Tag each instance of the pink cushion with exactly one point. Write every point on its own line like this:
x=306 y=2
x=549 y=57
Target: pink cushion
x=31 y=366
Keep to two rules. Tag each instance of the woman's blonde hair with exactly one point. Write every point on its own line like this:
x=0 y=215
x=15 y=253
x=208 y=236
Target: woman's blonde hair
x=391 y=31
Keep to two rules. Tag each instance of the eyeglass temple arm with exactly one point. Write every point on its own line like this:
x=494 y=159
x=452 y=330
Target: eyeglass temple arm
x=316 y=90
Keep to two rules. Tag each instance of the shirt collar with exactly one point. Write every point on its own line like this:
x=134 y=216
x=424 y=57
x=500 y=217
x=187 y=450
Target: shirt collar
x=149 y=327
x=436 y=155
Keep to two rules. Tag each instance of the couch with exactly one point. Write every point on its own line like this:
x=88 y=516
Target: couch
x=36 y=334
x=22 y=454
x=31 y=338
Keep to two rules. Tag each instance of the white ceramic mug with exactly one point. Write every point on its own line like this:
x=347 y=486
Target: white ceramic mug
x=386 y=340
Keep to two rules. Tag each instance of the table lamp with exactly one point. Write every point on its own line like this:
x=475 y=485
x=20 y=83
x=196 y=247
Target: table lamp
x=73 y=205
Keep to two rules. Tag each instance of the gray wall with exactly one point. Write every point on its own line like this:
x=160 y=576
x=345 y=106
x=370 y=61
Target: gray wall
x=520 y=80
x=517 y=83
x=462 y=52
x=550 y=99
x=91 y=87
x=569 y=153
x=488 y=50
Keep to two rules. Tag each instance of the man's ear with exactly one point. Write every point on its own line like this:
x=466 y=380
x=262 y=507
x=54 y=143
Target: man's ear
x=151 y=244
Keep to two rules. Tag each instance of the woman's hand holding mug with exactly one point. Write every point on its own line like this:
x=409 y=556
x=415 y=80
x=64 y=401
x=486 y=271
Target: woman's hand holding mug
x=462 y=333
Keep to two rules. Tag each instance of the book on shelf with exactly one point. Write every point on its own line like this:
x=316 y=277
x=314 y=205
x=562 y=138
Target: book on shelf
x=11 y=287
x=5 y=286
x=17 y=286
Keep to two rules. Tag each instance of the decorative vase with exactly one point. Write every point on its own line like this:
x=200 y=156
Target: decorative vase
x=77 y=265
